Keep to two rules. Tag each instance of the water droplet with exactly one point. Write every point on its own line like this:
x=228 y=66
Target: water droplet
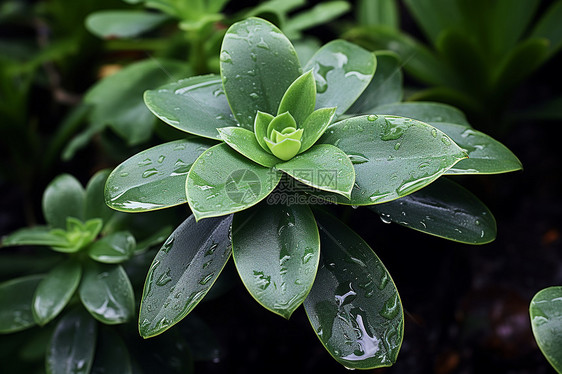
x=383 y=281
x=308 y=255
x=397 y=146
x=206 y=279
x=391 y=307
x=168 y=244
x=385 y=218
x=263 y=281
x=180 y=168
x=124 y=174
x=225 y=57
x=161 y=159
x=218 y=92
x=357 y=158
x=320 y=75
x=262 y=44
x=254 y=95
x=347 y=297
x=164 y=279
x=372 y=117
x=212 y=249
x=434 y=132
x=377 y=196
x=145 y=162
x=394 y=130
x=149 y=173
x=446 y=140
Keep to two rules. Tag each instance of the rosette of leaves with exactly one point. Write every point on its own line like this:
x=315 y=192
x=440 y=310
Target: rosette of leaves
x=86 y=284
x=274 y=132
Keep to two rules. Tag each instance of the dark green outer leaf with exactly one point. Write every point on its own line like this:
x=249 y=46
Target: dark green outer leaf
x=195 y=105
x=276 y=249
x=444 y=209
x=182 y=272
x=258 y=64
x=385 y=87
x=72 y=347
x=15 y=301
x=342 y=71
x=354 y=306
x=112 y=356
x=425 y=112
x=113 y=248
x=39 y=235
x=107 y=294
x=392 y=156
x=122 y=23
x=55 y=291
x=546 y=321
x=95 y=206
x=154 y=178
x=485 y=155
x=64 y=197
x=222 y=181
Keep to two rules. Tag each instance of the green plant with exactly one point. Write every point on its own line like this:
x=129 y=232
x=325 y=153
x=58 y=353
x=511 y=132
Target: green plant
x=287 y=144
x=478 y=54
x=86 y=281
x=546 y=314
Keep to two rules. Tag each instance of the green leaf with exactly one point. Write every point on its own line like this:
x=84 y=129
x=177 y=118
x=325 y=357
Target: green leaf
x=300 y=98
x=276 y=249
x=550 y=27
x=95 y=206
x=155 y=238
x=113 y=248
x=320 y=14
x=107 y=294
x=73 y=344
x=112 y=356
x=182 y=272
x=424 y=112
x=258 y=64
x=385 y=87
x=221 y=181
x=315 y=126
x=15 y=298
x=154 y=178
x=63 y=197
x=342 y=71
x=444 y=209
x=485 y=155
x=354 y=306
x=261 y=124
x=379 y=12
x=117 y=99
x=39 y=235
x=78 y=234
x=110 y=24
x=435 y=16
x=546 y=321
x=392 y=156
x=195 y=105
x=244 y=141
x=55 y=290
x=323 y=166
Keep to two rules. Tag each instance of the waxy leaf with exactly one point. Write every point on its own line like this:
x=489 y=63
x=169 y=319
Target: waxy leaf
x=154 y=178
x=444 y=209
x=55 y=291
x=182 y=272
x=258 y=63
x=15 y=298
x=315 y=126
x=354 y=306
x=113 y=248
x=195 y=105
x=276 y=249
x=392 y=156
x=39 y=235
x=78 y=234
x=244 y=141
x=341 y=67
x=222 y=181
x=107 y=294
x=72 y=347
x=122 y=23
x=385 y=87
x=64 y=197
x=261 y=125
x=546 y=321
x=112 y=356
x=300 y=98
x=95 y=203
x=485 y=155
x=323 y=166
x=425 y=112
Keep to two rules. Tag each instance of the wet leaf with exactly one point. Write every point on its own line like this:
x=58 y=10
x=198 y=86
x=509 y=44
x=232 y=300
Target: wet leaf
x=15 y=297
x=182 y=272
x=444 y=209
x=315 y=126
x=300 y=98
x=107 y=294
x=244 y=141
x=64 y=197
x=392 y=156
x=222 y=181
x=113 y=248
x=258 y=63
x=354 y=306
x=39 y=235
x=427 y=112
x=276 y=249
x=112 y=356
x=546 y=321
x=73 y=344
x=154 y=178
x=324 y=167
x=122 y=23
x=195 y=105
x=341 y=67
x=55 y=290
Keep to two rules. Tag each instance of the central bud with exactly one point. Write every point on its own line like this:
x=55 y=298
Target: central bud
x=283 y=138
